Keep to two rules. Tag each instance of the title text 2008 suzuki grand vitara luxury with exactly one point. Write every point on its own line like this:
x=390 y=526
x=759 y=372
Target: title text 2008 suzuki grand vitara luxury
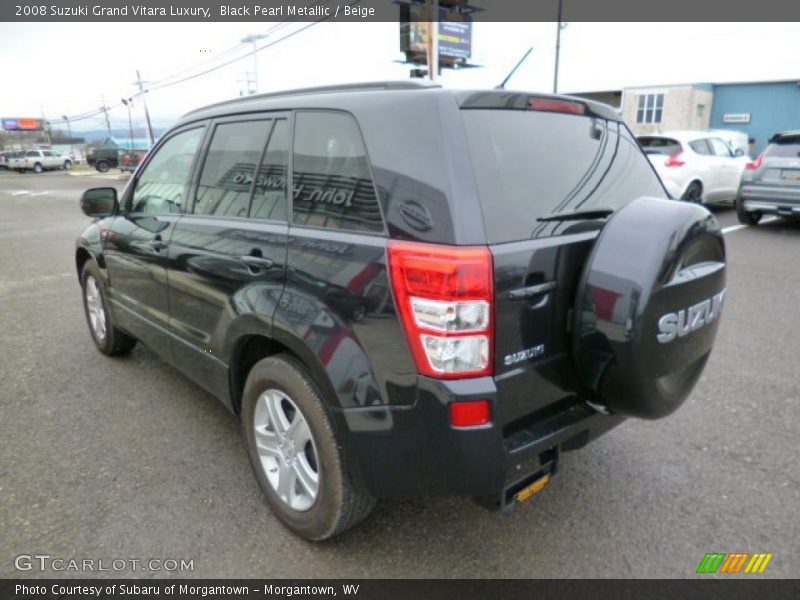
x=404 y=289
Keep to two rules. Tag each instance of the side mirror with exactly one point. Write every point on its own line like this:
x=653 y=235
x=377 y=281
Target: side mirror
x=738 y=152
x=99 y=202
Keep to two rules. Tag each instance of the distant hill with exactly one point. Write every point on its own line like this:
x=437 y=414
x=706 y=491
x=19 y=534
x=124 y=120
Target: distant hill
x=116 y=132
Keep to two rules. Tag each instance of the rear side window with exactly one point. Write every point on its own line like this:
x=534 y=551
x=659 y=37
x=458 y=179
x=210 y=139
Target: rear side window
x=269 y=195
x=227 y=177
x=333 y=187
x=785 y=147
x=701 y=147
x=529 y=164
x=720 y=148
x=659 y=145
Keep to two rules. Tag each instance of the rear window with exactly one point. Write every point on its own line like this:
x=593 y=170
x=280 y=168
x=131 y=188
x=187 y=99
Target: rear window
x=785 y=147
x=530 y=164
x=659 y=145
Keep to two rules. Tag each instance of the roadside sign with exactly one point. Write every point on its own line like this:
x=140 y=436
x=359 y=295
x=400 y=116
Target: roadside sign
x=17 y=124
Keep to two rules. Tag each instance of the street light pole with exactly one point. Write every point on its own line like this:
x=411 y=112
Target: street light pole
x=69 y=133
x=128 y=103
x=252 y=39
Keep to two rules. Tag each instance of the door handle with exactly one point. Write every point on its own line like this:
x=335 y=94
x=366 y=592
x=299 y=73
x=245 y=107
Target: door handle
x=532 y=291
x=158 y=244
x=256 y=263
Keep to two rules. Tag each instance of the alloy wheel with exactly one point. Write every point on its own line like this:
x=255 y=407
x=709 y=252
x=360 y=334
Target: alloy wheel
x=95 y=308
x=287 y=450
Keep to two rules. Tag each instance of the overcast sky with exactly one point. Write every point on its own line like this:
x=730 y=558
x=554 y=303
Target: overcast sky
x=68 y=68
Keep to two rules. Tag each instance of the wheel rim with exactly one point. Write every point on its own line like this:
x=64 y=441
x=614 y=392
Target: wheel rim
x=287 y=450
x=95 y=309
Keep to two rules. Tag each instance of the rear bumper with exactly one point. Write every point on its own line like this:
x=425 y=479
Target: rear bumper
x=413 y=451
x=771 y=199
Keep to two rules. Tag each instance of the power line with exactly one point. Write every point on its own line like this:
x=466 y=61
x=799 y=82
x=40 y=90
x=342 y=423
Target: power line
x=259 y=49
x=165 y=82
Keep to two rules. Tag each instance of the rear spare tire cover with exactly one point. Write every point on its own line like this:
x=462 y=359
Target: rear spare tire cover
x=648 y=306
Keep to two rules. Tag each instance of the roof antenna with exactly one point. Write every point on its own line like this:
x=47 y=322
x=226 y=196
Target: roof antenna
x=514 y=70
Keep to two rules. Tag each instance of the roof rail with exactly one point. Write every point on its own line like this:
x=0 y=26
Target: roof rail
x=410 y=84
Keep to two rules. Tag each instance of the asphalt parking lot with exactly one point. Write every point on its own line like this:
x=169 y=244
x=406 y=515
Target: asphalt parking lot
x=126 y=459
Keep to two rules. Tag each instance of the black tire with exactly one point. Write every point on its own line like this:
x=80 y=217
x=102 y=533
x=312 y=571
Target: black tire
x=102 y=166
x=745 y=217
x=341 y=500
x=115 y=341
x=67 y=165
x=693 y=193
x=37 y=168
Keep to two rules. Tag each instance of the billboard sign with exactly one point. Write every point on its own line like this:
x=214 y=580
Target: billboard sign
x=455 y=32
x=22 y=124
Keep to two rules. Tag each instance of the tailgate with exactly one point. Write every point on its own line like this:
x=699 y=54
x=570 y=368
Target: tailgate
x=540 y=164
x=535 y=285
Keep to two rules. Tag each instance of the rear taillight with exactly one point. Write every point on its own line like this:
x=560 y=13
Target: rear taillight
x=676 y=160
x=755 y=164
x=444 y=297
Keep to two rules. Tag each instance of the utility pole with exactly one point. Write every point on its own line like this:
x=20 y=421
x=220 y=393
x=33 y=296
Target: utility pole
x=252 y=39
x=558 y=46
x=46 y=128
x=140 y=83
x=104 y=108
x=433 y=39
x=247 y=83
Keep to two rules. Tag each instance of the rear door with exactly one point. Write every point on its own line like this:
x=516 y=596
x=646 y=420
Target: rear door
x=531 y=164
x=729 y=169
x=228 y=254
x=137 y=242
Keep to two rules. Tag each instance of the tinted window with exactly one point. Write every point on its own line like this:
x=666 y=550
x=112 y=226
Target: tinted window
x=785 y=147
x=719 y=148
x=32 y=154
x=659 y=145
x=164 y=183
x=227 y=177
x=332 y=183
x=269 y=194
x=530 y=164
x=700 y=147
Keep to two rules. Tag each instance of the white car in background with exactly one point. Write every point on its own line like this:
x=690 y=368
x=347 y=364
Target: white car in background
x=696 y=166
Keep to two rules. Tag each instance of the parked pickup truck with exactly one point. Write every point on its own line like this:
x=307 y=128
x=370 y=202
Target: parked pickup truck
x=39 y=160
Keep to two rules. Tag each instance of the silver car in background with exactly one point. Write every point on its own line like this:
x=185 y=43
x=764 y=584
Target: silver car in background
x=771 y=183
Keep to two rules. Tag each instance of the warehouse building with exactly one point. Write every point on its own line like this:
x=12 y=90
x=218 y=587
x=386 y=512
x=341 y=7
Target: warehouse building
x=759 y=108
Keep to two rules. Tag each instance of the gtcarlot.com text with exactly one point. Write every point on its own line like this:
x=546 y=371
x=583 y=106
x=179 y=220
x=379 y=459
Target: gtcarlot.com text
x=46 y=562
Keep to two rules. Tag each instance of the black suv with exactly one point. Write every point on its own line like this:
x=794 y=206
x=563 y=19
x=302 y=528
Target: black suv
x=404 y=290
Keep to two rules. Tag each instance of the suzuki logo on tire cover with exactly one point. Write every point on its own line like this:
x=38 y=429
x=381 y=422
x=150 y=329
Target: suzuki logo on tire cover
x=683 y=322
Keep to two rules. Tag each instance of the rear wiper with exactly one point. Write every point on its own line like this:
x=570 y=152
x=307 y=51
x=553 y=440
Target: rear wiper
x=578 y=215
